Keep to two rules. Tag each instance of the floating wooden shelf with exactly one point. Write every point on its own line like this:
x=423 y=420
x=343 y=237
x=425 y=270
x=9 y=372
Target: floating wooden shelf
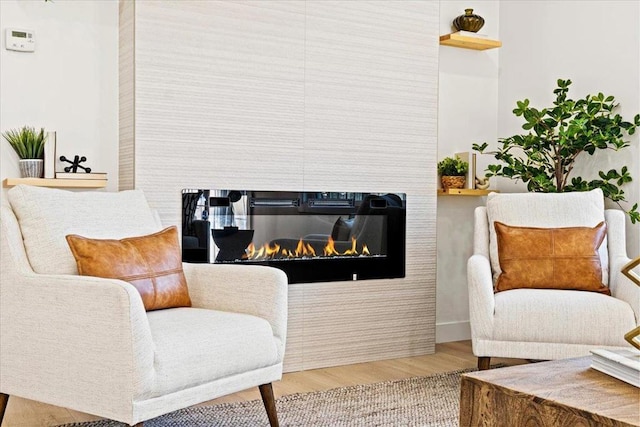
x=60 y=183
x=469 y=42
x=464 y=192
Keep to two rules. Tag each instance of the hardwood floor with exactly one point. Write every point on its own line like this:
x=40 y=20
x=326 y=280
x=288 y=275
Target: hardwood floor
x=448 y=357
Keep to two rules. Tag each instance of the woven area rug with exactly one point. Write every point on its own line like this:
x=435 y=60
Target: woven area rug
x=419 y=401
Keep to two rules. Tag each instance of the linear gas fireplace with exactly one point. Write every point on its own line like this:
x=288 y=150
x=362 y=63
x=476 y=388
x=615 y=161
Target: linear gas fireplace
x=311 y=236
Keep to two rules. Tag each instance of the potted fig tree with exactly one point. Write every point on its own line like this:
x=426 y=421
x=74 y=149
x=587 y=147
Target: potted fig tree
x=28 y=143
x=545 y=157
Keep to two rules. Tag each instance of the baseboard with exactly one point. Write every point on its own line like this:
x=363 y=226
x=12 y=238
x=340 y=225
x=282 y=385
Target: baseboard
x=453 y=331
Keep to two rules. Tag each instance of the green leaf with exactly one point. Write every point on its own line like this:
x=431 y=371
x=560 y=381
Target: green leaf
x=480 y=148
x=26 y=142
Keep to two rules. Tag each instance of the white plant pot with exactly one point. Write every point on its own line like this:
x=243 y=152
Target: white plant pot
x=31 y=168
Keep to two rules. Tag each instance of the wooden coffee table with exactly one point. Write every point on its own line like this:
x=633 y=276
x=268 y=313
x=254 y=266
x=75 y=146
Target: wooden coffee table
x=557 y=393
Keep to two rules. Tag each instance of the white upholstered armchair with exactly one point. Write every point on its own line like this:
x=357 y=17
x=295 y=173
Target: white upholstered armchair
x=87 y=343
x=548 y=323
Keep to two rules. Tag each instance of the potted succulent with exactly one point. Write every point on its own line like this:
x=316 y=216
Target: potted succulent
x=453 y=172
x=544 y=158
x=29 y=146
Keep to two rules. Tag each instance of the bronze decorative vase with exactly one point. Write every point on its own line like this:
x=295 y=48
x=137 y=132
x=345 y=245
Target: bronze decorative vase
x=468 y=21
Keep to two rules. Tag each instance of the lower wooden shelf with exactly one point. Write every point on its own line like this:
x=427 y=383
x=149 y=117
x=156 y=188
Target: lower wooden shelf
x=469 y=42
x=464 y=192
x=59 y=183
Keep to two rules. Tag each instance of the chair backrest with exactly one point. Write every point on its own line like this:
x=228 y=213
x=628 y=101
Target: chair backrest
x=46 y=216
x=544 y=210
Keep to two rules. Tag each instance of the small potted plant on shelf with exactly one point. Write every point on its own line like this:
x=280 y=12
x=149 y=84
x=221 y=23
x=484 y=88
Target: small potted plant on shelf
x=453 y=172
x=29 y=146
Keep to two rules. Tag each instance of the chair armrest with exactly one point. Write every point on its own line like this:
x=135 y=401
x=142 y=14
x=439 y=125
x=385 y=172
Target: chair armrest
x=481 y=300
x=74 y=341
x=256 y=290
x=616 y=239
x=622 y=287
x=629 y=292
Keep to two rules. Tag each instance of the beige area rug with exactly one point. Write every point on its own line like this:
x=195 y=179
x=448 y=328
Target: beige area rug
x=419 y=401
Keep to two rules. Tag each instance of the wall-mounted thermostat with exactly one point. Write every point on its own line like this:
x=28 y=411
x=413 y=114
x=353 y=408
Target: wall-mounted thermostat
x=20 y=40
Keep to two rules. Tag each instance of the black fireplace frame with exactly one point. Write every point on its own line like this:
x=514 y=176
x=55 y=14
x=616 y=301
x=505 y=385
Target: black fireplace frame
x=326 y=269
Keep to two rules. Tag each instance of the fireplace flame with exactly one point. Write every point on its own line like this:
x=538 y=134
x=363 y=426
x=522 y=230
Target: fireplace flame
x=365 y=250
x=302 y=250
x=330 y=248
x=353 y=250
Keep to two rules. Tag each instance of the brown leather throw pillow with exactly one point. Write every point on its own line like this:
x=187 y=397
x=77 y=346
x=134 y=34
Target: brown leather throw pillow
x=550 y=258
x=153 y=264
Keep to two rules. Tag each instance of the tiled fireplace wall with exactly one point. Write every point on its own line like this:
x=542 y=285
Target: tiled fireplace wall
x=303 y=96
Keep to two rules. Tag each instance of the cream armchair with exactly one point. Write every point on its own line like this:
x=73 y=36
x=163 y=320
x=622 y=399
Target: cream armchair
x=546 y=323
x=87 y=343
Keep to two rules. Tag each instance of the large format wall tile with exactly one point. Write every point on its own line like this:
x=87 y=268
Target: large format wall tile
x=370 y=125
x=219 y=98
x=126 y=103
x=299 y=95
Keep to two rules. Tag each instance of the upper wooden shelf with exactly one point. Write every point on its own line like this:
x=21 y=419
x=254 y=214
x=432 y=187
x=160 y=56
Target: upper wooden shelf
x=464 y=192
x=469 y=42
x=60 y=183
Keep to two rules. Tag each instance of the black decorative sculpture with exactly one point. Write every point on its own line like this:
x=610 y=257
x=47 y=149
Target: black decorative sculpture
x=75 y=164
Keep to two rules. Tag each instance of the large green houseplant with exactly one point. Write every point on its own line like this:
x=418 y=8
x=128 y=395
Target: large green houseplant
x=545 y=157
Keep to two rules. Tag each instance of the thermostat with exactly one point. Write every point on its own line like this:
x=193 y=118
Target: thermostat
x=20 y=40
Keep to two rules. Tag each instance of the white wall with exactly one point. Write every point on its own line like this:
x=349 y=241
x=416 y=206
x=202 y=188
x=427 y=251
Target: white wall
x=467 y=114
x=69 y=84
x=596 y=44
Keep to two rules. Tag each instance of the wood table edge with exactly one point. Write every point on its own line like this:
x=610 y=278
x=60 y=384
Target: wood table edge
x=475 y=380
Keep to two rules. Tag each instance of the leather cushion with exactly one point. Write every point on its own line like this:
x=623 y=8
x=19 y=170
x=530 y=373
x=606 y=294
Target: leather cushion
x=550 y=258
x=546 y=210
x=151 y=263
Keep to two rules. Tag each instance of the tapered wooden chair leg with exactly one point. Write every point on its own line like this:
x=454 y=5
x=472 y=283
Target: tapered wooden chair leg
x=266 y=391
x=140 y=424
x=484 y=363
x=4 y=400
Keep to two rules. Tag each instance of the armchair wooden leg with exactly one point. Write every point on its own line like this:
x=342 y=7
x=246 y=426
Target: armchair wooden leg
x=266 y=391
x=140 y=424
x=4 y=400
x=484 y=363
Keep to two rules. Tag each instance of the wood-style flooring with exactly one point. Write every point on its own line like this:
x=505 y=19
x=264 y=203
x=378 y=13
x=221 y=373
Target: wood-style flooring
x=448 y=357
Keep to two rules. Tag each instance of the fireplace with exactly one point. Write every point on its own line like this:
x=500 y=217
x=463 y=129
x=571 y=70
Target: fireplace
x=311 y=236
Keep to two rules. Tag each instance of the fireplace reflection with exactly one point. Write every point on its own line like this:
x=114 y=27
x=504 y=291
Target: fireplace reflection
x=312 y=236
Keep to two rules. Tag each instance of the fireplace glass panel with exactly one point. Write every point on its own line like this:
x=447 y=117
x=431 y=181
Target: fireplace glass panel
x=312 y=236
